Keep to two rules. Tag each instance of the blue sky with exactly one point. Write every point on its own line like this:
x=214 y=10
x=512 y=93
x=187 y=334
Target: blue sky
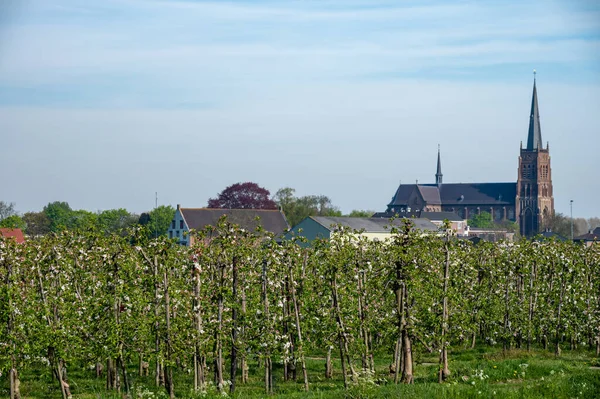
x=102 y=103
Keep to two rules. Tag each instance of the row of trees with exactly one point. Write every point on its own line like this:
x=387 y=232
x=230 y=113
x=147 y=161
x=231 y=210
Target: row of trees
x=58 y=216
x=238 y=299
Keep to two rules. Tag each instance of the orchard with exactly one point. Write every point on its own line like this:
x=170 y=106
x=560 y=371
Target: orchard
x=126 y=308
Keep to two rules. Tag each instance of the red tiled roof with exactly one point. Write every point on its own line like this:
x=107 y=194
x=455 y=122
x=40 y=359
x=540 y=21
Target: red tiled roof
x=17 y=234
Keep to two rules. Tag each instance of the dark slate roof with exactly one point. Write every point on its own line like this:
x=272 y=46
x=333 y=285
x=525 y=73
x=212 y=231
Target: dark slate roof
x=431 y=194
x=591 y=236
x=534 y=136
x=371 y=225
x=478 y=193
x=402 y=194
x=457 y=194
x=273 y=221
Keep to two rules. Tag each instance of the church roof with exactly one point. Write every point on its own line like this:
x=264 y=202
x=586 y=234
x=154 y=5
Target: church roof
x=534 y=136
x=431 y=194
x=459 y=194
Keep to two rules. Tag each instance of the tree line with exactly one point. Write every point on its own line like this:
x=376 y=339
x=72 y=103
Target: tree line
x=238 y=299
x=58 y=215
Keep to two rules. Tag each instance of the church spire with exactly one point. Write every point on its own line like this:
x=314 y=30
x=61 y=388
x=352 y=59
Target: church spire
x=438 y=175
x=534 y=137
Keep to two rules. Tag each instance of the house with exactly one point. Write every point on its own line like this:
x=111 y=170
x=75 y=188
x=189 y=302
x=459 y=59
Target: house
x=593 y=236
x=187 y=219
x=314 y=227
x=15 y=234
x=457 y=224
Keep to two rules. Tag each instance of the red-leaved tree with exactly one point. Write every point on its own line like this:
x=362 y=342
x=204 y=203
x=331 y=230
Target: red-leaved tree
x=243 y=196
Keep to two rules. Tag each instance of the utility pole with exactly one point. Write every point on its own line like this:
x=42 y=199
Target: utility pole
x=571 y=220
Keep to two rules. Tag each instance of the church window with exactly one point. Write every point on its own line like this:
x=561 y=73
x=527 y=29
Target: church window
x=511 y=213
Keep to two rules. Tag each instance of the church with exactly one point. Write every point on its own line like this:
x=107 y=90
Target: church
x=529 y=201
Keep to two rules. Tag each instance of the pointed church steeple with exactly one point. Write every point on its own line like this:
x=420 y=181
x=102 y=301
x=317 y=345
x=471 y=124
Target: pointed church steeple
x=534 y=137
x=438 y=175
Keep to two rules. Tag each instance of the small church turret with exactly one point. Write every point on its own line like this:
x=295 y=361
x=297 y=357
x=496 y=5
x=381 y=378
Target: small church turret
x=534 y=202
x=438 y=174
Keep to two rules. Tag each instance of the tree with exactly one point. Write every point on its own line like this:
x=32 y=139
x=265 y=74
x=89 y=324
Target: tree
x=158 y=220
x=59 y=214
x=298 y=208
x=483 y=220
x=7 y=209
x=361 y=213
x=243 y=196
x=561 y=224
x=13 y=222
x=114 y=220
x=37 y=223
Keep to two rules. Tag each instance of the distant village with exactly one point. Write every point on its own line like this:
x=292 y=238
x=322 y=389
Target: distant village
x=487 y=211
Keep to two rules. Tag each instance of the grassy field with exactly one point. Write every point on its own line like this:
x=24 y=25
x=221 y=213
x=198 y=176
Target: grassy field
x=478 y=373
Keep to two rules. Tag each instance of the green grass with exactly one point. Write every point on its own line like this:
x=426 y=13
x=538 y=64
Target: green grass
x=477 y=373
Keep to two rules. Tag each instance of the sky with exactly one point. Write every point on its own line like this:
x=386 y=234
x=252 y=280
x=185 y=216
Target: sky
x=103 y=103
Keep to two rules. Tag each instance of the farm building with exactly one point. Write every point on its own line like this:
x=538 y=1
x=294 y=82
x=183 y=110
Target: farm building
x=186 y=219
x=314 y=227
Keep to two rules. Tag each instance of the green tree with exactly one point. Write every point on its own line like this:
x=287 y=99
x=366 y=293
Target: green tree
x=158 y=220
x=59 y=214
x=298 y=208
x=13 y=222
x=37 y=223
x=114 y=220
x=483 y=220
x=356 y=213
x=82 y=220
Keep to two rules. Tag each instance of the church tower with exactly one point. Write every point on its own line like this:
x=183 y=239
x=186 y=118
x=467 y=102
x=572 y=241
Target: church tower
x=535 y=202
x=438 y=174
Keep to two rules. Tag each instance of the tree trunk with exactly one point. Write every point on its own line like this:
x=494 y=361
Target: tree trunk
x=298 y=327
x=407 y=369
x=444 y=372
x=345 y=353
x=169 y=383
x=268 y=364
x=328 y=364
x=234 y=330
x=15 y=384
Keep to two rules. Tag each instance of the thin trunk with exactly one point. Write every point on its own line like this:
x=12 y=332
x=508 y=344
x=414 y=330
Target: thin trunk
x=342 y=333
x=532 y=277
x=298 y=328
x=219 y=332
x=234 y=330
x=407 y=370
x=199 y=369
x=268 y=364
x=362 y=317
x=159 y=380
x=169 y=384
x=557 y=350
x=444 y=372
x=328 y=364
x=398 y=358
x=244 y=360
x=125 y=376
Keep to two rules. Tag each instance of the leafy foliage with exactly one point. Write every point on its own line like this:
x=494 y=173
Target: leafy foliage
x=13 y=222
x=85 y=297
x=243 y=196
x=298 y=208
